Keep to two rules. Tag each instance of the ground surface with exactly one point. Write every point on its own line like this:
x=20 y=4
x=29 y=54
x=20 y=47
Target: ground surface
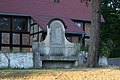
x=61 y=74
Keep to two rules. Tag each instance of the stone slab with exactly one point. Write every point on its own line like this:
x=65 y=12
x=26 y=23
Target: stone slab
x=59 y=58
x=3 y=61
x=21 y=60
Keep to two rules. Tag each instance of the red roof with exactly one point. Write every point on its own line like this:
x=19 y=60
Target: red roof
x=44 y=20
x=72 y=9
x=66 y=9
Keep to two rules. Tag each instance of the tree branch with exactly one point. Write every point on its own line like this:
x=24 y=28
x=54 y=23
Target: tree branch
x=86 y=1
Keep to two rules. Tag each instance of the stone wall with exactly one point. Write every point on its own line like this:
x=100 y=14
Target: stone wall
x=16 y=60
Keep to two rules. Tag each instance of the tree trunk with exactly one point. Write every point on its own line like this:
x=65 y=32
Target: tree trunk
x=93 y=55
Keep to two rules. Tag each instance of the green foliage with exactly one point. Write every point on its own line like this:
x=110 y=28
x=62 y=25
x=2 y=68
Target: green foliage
x=106 y=47
x=111 y=28
x=84 y=48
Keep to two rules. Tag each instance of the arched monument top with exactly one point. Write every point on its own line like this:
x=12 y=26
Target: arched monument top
x=56 y=19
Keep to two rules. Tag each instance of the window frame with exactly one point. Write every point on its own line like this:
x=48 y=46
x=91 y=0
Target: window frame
x=13 y=25
x=9 y=23
x=56 y=1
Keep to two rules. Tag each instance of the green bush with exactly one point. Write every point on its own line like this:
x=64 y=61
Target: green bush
x=106 y=47
x=84 y=48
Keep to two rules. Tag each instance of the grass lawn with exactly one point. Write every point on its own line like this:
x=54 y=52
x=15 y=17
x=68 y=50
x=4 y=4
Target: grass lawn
x=61 y=74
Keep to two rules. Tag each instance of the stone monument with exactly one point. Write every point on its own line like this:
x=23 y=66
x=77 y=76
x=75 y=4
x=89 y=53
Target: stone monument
x=56 y=51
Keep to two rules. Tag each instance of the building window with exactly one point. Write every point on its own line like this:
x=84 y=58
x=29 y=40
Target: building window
x=4 y=23
x=19 y=24
x=69 y=38
x=57 y=1
x=10 y=23
x=79 y=24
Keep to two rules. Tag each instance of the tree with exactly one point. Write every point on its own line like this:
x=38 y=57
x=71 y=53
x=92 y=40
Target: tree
x=93 y=53
x=111 y=28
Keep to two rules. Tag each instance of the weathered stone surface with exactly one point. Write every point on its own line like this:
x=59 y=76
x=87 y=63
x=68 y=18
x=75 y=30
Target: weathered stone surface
x=57 y=41
x=55 y=51
x=3 y=61
x=59 y=61
x=59 y=58
x=69 y=51
x=21 y=60
x=37 y=60
x=17 y=60
x=80 y=59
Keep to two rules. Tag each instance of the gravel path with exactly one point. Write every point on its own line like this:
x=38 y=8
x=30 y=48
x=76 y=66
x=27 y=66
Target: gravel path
x=62 y=74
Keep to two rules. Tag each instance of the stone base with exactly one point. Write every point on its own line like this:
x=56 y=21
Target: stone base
x=58 y=62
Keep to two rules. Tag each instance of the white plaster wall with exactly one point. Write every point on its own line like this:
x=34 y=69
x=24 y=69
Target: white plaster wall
x=103 y=61
x=3 y=61
x=17 y=60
